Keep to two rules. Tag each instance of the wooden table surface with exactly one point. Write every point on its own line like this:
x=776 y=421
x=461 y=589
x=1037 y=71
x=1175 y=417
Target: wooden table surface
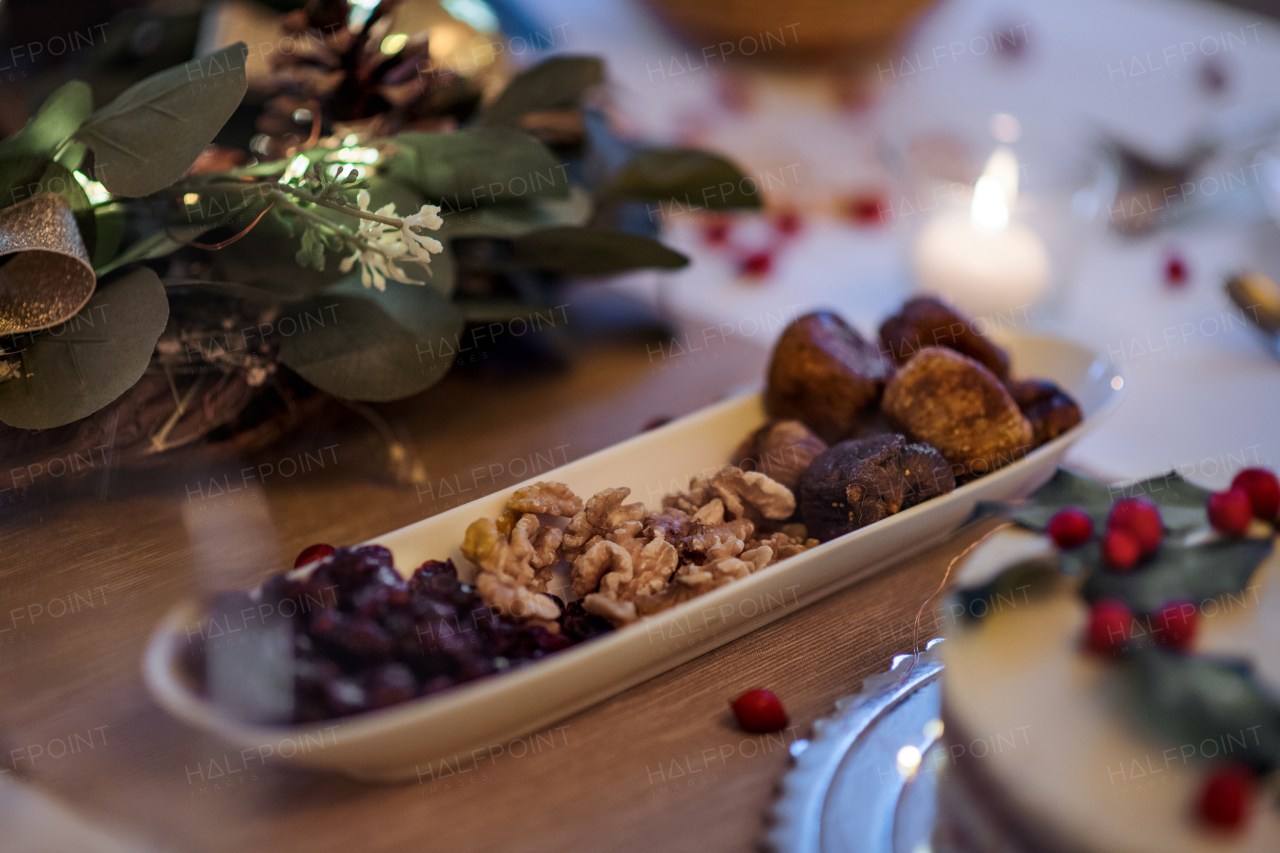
x=89 y=567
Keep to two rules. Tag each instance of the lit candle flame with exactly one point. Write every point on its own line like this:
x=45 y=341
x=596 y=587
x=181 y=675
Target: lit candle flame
x=995 y=192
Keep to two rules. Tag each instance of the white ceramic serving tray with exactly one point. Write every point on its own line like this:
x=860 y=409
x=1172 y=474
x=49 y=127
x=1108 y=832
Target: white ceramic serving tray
x=401 y=742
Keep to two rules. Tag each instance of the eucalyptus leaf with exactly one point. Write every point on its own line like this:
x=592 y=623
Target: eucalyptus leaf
x=46 y=133
x=147 y=137
x=369 y=345
x=464 y=170
x=1201 y=702
x=24 y=177
x=556 y=84
x=589 y=251
x=155 y=245
x=76 y=368
x=514 y=219
x=694 y=179
x=109 y=220
x=1198 y=573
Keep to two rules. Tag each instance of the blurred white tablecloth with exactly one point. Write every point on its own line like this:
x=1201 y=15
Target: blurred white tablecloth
x=1202 y=395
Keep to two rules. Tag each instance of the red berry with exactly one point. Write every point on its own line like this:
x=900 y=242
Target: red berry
x=1140 y=518
x=1226 y=799
x=868 y=209
x=1070 y=527
x=1110 y=621
x=1231 y=511
x=757 y=264
x=1175 y=271
x=759 y=711
x=1120 y=550
x=788 y=223
x=1175 y=623
x=716 y=232
x=1263 y=490
x=310 y=555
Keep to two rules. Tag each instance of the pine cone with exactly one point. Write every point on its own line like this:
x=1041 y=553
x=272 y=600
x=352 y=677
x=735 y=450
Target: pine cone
x=339 y=79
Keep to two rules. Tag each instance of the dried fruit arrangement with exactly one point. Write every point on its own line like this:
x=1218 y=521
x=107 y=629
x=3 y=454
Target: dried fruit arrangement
x=356 y=636
x=934 y=406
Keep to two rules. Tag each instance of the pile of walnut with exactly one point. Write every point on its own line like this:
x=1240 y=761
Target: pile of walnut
x=627 y=562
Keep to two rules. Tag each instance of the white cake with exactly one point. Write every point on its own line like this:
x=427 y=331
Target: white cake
x=1064 y=767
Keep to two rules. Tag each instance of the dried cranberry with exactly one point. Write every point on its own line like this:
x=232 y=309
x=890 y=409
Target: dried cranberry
x=357 y=639
x=868 y=209
x=789 y=223
x=314 y=672
x=759 y=712
x=313 y=553
x=274 y=588
x=1175 y=271
x=715 y=232
x=578 y=625
x=346 y=695
x=438 y=683
x=390 y=684
x=756 y=264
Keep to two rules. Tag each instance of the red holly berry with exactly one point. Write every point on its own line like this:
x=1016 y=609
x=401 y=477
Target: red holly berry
x=1175 y=623
x=868 y=209
x=310 y=555
x=1120 y=550
x=1175 y=271
x=1140 y=518
x=1231 y=511
x=1226 y=800
x=759 y=711
x=757 y=264
x=715 y=232
x=1263 y=490
x=1070 y=527
x=1110 y=621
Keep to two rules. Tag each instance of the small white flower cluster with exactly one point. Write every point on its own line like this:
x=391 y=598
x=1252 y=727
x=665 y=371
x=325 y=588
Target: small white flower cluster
x=387 y=246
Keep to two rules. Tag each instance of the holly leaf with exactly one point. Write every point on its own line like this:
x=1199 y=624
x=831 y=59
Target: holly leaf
x=592 y=252
x=1197 y=572
x=73 y=369
x=1191 y=700
x=556 y=84
x=695 y=179
x=464 y=170
x=47 y=132
x=1011 y=588
x=25 y=177
x=147 y=137
x=369 y=345
x=1065 y=488
x=1181 y=504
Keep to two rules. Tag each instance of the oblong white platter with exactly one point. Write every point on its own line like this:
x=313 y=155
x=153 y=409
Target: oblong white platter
x=401 y=743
